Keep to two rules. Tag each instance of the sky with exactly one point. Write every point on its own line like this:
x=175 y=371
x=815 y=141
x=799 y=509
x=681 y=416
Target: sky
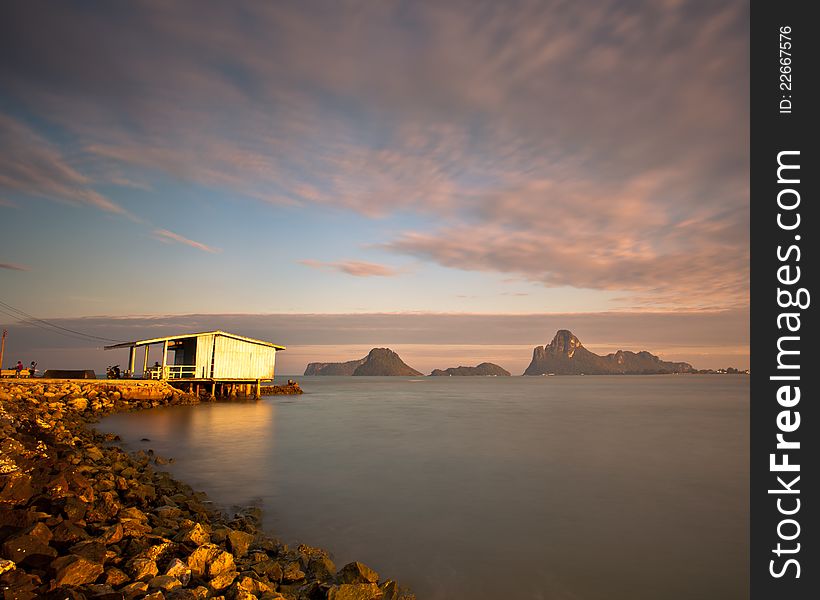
x=439 y=168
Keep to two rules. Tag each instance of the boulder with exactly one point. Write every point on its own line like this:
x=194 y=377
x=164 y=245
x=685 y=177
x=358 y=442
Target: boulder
x=74 y=570
x=223 y=580
x=200 y=558
x=221 y=563
x=196 y=535
x=142 y=569
x=28 y=549
x=177 y=568
x=239 y=542
x=357 y=572
x=355 y=591
x=164 y=582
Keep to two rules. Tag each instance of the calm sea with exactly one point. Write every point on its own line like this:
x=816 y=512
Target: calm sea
x=484 y=488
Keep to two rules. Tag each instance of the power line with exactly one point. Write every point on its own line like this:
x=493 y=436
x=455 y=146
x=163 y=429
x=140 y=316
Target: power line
x=37 y=322
x=43 y=327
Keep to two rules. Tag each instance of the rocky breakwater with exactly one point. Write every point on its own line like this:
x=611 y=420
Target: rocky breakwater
x=80 y=518
x=291 y=388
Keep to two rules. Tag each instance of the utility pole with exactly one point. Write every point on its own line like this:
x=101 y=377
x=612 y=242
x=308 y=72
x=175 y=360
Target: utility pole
x=3 y=347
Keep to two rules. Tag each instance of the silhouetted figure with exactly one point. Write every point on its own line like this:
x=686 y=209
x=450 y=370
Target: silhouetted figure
x=32 y=368
x=19 y=367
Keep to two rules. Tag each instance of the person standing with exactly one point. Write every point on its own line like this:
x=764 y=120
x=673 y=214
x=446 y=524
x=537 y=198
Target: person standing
x=32 y=368
x=19 y=367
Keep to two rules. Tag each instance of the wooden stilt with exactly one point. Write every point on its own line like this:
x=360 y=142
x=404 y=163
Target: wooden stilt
x=145 y=363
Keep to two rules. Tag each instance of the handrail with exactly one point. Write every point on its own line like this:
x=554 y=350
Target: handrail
x=171 y=372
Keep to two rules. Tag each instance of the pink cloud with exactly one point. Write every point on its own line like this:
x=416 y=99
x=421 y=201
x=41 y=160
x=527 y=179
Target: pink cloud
x=14 y=267
x=170 y=237
x=30 y=164
x=601 y=146
x=353 y=267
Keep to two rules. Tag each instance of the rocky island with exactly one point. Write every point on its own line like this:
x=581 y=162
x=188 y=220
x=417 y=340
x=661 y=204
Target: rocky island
x=81 y=518
x=485 y=369
x=379 y=362
x=565 y=355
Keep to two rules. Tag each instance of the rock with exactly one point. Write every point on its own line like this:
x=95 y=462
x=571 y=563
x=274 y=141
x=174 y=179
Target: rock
x=292 y=572
x=102 y=590
x=158 y=552
x=355 y=591
x=132 y=512
x=168 y=512
x=135 y=528
x=164 y=582
x=239 y=542
x=199 y=559
x=41 y=532
x=357 y=572
x=195 y=535
x=78 y=404
x=142 y=569
x=16 y=491
x=177 y=568
x=134 y=590
x=94 y=453
x=74 y=509
x=112 y=534
x=392 y=591
x=223 y=580
x=91 y=549
x=67 y=532
x=222 y=563
x=73 y=570
x=183 y=594
x=28 y=549
x=6 y=565
x=269 y=568
x=115 y=577
x=254 y=586
x=321 y=567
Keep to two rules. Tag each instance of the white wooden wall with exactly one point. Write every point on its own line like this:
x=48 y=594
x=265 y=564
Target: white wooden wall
x=237 y=359
x=204 y=355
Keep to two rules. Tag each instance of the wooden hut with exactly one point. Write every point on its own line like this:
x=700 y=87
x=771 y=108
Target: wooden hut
x=215 y=357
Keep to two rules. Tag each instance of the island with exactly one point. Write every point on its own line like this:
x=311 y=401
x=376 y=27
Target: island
x=485 y=369
x=378 y=362
x=565 y=355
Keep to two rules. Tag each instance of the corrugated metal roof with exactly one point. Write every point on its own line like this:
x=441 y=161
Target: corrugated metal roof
x=193 y=335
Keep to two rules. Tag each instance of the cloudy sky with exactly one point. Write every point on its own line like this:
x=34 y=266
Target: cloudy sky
x=416 y=160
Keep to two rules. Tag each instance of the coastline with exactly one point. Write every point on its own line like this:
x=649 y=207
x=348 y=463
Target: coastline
x=82 y=518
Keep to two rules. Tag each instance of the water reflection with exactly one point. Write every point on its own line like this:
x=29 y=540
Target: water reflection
x=560 y=487
x=219 y=447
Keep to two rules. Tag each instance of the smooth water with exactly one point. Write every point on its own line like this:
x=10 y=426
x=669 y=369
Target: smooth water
x=486 y=488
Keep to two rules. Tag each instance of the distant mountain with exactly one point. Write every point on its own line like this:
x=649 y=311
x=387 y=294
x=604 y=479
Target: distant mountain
x=482 y=369
x=379 y=362
x=565 y=355
x=345 y=368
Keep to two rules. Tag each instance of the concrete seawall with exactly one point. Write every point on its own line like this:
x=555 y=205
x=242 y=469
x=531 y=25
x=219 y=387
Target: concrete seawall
x=81 y=518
